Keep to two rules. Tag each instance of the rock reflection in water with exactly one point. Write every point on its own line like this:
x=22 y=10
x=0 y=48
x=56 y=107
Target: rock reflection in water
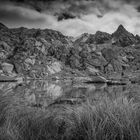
x=7 y=87
x=44 y=93
x=40 y=93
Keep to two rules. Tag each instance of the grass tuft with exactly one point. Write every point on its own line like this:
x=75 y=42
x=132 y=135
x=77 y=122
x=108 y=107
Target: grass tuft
x=108 y=120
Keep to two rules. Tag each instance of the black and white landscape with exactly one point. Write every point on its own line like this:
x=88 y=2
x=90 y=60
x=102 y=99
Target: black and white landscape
x=69 y=70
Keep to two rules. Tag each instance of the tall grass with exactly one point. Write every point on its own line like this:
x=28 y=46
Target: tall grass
x=108 y=120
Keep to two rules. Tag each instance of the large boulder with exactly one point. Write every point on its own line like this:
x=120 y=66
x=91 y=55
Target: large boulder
x=109 y=54
x=112 y=58
x=7 y=68
x=54 y=67
x=5 y=50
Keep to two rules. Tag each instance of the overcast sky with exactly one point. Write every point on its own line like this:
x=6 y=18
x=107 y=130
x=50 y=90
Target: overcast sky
x=72 y=17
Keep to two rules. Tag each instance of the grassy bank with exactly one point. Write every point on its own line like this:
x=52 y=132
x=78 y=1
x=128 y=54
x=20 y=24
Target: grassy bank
x=108 y=120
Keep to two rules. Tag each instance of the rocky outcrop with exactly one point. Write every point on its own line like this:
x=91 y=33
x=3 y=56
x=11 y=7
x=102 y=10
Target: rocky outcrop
x=123 y=38
x=112 y=58
x=36 y=53
x=137 y=38
x=102 y=37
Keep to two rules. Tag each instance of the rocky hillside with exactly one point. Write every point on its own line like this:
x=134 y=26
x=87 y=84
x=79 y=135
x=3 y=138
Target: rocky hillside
x=36 y=53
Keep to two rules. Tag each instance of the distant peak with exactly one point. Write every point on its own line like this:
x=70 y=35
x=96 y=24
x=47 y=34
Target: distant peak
x=123 y=37
x=121 y=28
x=121 y=31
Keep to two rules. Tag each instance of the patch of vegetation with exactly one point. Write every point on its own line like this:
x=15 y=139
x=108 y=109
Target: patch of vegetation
x=107 y=120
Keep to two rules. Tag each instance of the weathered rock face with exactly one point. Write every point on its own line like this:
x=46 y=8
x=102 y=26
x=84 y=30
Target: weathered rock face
x=102 y=37
x=112 y=58
x=39 y=53
x=137 y=38
x=98 y=38
x=122 y=37
x=7 y=68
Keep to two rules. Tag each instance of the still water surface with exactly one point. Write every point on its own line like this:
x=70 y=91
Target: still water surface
x=41 y=94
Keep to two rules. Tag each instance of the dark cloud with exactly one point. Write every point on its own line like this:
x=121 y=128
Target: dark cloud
x=132 y=1
x=72 y=8
x=67 y=9
x=65 y=16
x=72 y=17
x=138 y=8
x=82 y=5
x=15 y=16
